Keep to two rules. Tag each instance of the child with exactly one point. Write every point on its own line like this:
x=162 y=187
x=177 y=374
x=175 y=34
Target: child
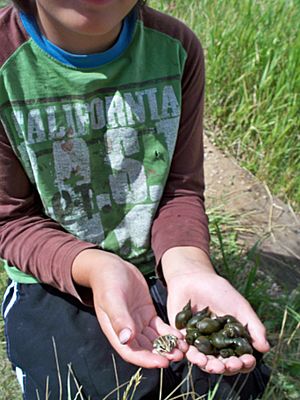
x=101 y=173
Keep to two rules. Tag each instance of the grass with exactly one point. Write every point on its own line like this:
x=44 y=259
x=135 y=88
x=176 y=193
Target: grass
x=9 y=389
x=278 y=308
x=253 y=83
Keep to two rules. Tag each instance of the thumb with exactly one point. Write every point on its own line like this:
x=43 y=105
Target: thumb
x=125 y=335
x=118 y=317
x=258 y=334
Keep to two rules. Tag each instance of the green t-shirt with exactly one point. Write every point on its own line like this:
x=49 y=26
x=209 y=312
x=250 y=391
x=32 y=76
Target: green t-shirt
x=97 y=143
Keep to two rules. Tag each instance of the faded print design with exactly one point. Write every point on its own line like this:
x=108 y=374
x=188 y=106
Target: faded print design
x=100 y=165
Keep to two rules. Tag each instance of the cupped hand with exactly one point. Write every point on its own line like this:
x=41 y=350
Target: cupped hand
x=124 y=308
x=196 y=280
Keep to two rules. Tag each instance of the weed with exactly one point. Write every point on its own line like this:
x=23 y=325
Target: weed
x=252 y=51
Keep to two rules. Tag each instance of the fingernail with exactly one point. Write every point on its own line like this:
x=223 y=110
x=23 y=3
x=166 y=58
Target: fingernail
x=124 y=335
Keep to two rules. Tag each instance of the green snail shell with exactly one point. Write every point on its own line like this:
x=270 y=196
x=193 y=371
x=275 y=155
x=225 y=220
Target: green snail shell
x=220 y=341
x=242 y=346
x=184 y=316
x=207 y=326
x=202 y=343
x=198 y=317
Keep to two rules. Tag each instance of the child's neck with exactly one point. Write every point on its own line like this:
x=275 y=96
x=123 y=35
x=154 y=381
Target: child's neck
x=78 y=43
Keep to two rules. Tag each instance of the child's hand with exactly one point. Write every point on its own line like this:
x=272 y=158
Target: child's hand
x=124 y=308
x=189 y=275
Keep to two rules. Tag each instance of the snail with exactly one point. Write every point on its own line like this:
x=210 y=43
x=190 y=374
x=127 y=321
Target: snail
x=208 y=325
x=226 y=319
x=184 y=316
x=165 y=344
x=220 y=341
x=242 y=346
x=198 y=317
x=203 y=344
x=191 y=335
x=235 y=329
x=212 y=334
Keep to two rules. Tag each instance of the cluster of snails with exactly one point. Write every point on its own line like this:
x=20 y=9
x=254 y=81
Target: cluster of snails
x=214 y=335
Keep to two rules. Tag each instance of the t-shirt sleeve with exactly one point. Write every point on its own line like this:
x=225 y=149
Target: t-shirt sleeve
x=29 y=240
x=181 y=219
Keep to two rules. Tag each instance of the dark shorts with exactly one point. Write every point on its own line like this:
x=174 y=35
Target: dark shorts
x=58 y=350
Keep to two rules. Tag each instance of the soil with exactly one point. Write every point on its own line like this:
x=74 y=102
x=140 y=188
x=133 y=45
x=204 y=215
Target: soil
x=265 y=220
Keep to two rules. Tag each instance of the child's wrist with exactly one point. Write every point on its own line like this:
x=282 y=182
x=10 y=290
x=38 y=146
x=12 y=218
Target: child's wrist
x=88 y=263
x=81 y=266
x=184 y=260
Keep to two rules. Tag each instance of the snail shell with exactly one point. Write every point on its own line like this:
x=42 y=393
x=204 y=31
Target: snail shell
x=184 y=316
x=203 y=345
x=242 y=346
x=226 y=319
x=191 y=335
x=220 y=341
x=198 y=317
x=208 y=326
x=234 y=329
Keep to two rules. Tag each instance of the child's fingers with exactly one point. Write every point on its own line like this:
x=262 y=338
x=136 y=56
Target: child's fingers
x=259 y=337
x=164 y=329
x=248 y=362
x=256 y=330
x=214 y=366
x=195 y=357
x=136 y=354
x=138 y=351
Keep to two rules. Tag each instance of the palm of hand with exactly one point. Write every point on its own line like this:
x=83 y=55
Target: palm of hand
x=222 y=298
x=124 y=302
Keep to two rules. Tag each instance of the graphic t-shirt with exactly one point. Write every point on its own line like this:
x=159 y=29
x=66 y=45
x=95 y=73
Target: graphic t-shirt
x=97 y=140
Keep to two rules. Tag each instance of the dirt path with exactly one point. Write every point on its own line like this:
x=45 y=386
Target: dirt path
x=262 y=216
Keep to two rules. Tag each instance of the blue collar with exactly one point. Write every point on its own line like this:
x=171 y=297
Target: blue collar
x=81 y=60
